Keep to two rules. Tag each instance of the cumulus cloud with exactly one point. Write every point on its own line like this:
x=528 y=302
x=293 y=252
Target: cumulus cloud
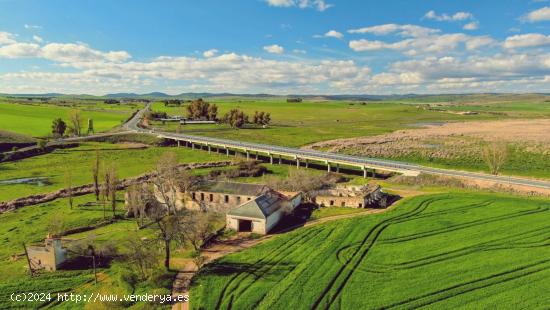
x=299 y=51
x=19 y=50
x=542 y=14
x=417 y=40
x=526 y=40
x=319 y=5
x=274 y=49
x=210 y=53
x=37 y=39
x=6 y=38
x=330 y=34
x=471 y=26
x=71 y=52
x=459 y=16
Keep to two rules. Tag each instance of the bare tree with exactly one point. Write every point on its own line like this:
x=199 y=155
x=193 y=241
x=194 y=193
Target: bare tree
x=95 y=174
x=169 y=228
x=138 y=198
x=166 y=181
x=75 y=120
x=112 y=184
x=56 y=226
x=495 y=155
x=69 y=186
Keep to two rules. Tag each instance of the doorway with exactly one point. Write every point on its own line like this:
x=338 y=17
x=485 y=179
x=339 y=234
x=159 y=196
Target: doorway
x=245 y=225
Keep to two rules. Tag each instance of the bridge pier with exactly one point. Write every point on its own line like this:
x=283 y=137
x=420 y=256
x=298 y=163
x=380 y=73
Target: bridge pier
x=280 y=160
x=365 y=172
x=297 y=162
x=178 y=143
x=192 y=145
x=256 y=155
x=209 y=149
x=227 y=152
x=337 y=168
x=247 y=155
x=328 y=167
x=271 y=159
x=307 y=163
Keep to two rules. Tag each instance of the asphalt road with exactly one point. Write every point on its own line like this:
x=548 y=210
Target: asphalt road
x=132 y=125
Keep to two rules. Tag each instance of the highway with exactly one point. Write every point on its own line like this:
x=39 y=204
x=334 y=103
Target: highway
x=335 y=158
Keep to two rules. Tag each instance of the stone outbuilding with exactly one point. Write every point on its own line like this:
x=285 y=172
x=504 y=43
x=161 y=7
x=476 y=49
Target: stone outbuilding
x=367 y=196
x=261 y=214
x=49 y=256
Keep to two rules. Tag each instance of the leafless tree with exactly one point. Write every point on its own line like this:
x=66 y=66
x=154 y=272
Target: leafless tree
x=140 y=256
x=167 y=180
x=56 y=226
x=138 y=198
x=69 y=186
x=112 y=184
x=495 y=155
x=95 y=174
x=75 y=120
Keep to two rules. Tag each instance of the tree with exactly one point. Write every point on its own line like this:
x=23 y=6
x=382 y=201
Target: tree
x=112 y=184
x=167 y=180
x=90 y=126
x=261 y=118
x=69 y=186
x=95 y=174
x=75 y=120
x=200 y=109
x=495 y=155
x=138 y=199
x=140 y=256
x=58 y=127
x=235 y=118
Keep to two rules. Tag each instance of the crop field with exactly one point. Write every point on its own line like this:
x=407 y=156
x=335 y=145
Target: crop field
x=445 y=251
x=36 y=119
x=50 y=168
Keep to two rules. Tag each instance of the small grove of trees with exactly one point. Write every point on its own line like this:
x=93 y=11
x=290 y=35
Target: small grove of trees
x=261 y=118
x=495 y=155
x=111 y=101
x=173 y=102
x=58 y=127
x=202 y=110
x=235 y=118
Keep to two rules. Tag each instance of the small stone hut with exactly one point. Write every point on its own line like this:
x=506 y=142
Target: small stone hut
x=48 y=256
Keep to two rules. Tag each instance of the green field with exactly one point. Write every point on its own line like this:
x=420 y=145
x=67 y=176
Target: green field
x=298 y=124
x=129 y=162
x=445 y=251
x=36 y=119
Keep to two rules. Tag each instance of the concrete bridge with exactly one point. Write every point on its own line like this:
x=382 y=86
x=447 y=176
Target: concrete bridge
x=302 y=157
x=331 y=160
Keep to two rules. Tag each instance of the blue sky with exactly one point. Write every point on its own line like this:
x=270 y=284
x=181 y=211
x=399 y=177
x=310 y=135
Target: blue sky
x=275 y=46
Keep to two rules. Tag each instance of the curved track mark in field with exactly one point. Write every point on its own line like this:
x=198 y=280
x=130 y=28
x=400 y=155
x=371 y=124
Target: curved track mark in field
x=473 y=285
x=360 y=253
x=463 y=226
x=289 y=245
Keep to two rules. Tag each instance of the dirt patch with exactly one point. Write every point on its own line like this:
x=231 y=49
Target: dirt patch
x=450 y=140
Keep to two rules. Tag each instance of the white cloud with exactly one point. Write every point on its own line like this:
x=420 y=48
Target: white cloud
x=37 y=39
x=210 y=53
x=6 y=38
x=299 y=51
x=527 y=40
x=70 y=52
x=471 y=26
x=459 y=16
x=27 y=26
x=330 y=34
x=417 y=40
x=542 y=14
x=274 y=49
x=19 y=50
x=334 y=34
x=319 y=5
x=402 y=30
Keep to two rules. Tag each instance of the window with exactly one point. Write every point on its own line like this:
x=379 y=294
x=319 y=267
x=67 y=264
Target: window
x=211 y=197
x=202 y=196
x=248 y=198
x=226 y=199
x=238 y=199
x=343 y=204
x=360 y=205
x=194 y=196
x=332 y=203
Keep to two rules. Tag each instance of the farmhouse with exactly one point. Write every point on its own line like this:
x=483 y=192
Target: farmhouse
x=224 y=196
x=261 y=214
x=351 y=196
x=49 y=256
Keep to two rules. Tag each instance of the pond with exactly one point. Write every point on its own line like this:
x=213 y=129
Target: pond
x=38 y=181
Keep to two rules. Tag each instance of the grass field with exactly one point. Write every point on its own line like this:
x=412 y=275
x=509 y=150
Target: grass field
x=298 y=124
x=129 y=162
x=462 y=250
x=36 y=119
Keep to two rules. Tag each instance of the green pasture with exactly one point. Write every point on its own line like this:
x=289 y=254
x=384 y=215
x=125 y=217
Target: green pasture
x=129 y=162
x=35 y=119
x=461 y=250
x=298 y=124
